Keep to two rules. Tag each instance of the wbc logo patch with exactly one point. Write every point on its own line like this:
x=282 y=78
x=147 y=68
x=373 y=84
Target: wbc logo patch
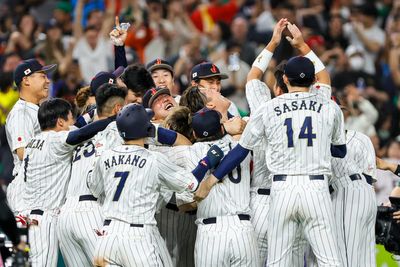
x=111 y=81
x=27 y=71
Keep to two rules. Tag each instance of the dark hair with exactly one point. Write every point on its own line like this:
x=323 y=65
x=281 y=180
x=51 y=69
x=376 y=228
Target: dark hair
x=51 y=110
x=106 y=92
x=82 y=97
x=278 y=74
x=180 y=120
x=90 y=28
x=225 y=30
x=214 y=137
x=232 y=44
x=193 y=99
x=137 y=79
x=306 y=83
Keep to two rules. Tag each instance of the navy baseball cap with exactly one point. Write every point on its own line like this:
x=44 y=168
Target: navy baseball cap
x=300 y=71
x=206 y=122
x=159 y=64
x=206 y=70
x=105 y=77
x=152 y=94
x=30 y=66
x=133 y=122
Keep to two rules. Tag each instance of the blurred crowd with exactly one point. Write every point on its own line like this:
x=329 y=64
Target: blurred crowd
x=358 y=41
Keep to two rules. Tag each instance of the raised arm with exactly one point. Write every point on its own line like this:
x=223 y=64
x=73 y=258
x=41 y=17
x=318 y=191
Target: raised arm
x=118 y=37
x=297 y=41
x=77 y=28
x=260 y=64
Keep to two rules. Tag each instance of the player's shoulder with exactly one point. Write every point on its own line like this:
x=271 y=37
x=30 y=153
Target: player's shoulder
x=22 y=108
x=256 y=83
x=358 y=136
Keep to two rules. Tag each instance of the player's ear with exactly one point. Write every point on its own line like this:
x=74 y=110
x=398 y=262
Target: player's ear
x=60 y=123
x=285 y=79
x=210 y=105
x=25 y=81
x=117 y=108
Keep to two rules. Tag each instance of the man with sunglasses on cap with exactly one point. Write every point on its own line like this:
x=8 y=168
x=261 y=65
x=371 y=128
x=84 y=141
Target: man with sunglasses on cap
x=22 y=124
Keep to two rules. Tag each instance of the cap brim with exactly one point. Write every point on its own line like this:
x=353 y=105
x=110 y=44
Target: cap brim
x=223 y=76
x=49 y=68
x=150 y=113
x=151 y=132
x=118 y=72
x=161 y=66
x=164 y=91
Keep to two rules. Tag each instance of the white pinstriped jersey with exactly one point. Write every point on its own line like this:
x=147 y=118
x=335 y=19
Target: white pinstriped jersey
x=229 y=197
x=258 y=93
x=47 y=169
x=360 y=157
x=299 y=128
x=130 y=177
x=21 y=125
x=83 y=159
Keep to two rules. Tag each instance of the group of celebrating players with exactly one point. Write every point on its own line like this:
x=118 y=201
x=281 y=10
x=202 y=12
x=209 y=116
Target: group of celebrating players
x=123 y=185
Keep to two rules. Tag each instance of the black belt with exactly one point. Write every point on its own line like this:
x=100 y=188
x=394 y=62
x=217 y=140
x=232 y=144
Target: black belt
x=368 y=178
x=282 y=177
x=211 y=220
x=37 y=212
x=107 y=222
x=171 y=206
x=264 y=191
x=331 y=189
x=355 y=177
x=87 y=198
x=174 y=207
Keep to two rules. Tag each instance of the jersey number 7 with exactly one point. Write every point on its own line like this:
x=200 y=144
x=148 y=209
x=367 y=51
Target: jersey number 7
x=121 y=184
x=305 y=131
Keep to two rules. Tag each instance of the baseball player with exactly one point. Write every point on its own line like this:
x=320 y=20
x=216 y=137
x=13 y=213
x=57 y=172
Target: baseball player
x=299 y=128
x=225 y=236
x=81 y=214
x=163 y=75
x=354 y=201
x=258 y=93
x=46 y=172
x=21 y=125
x=352 y=179
x=207 y=76
x=130 y=177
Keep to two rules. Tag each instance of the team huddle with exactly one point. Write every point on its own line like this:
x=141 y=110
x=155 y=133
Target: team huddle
x=163 y=180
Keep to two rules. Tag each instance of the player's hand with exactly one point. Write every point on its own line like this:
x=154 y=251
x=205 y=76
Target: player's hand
x=119 y=34
x=278 y=29
x=296 y=40
x=235 y=126
x=214 y=156
x=384 y=165
x=205 y=188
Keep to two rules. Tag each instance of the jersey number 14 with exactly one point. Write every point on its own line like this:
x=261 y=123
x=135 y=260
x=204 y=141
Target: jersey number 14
x=305 y=131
